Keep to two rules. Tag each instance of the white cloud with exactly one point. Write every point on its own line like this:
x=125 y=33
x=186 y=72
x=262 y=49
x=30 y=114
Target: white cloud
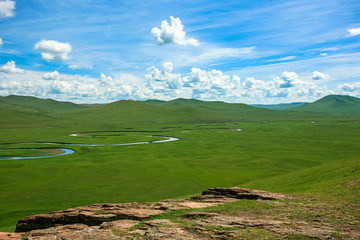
x=215 y=85
x=162 y=79
x=105 y=80
x=51 y=76
x=350 y=88
x=172 y=33
x=1 y=41
x=320 y=76
x=323 y=54
x=7 y=8
x=53 y=50
x=353 y=32
x=282 y=59
x=76 y=67
x=164 y=84
x=10 y=68
x=288 y=79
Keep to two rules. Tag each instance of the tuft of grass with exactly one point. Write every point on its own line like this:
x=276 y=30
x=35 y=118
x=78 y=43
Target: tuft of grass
x=101 y=212
x=24 y=237
x=298 y=237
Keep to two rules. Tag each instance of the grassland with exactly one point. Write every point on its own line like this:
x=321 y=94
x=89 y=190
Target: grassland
x=284 y=151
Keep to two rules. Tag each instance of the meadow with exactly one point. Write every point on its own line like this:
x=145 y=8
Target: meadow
x=280 y=151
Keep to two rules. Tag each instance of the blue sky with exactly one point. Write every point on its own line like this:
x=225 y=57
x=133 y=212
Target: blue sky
x=234 y=51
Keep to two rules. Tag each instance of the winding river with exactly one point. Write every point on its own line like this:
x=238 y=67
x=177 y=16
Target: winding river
x=66 y=151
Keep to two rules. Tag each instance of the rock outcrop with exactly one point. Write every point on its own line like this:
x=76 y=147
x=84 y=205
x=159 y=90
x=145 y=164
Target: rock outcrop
x=157 y=220
x=96 y=214
x=244 y=193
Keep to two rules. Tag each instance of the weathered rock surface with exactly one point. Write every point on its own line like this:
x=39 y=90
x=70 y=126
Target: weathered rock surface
x=75 y=231
x=244 y=193
x=96 y=214
x=141 y=220
x=165 y=229
x=10 y=236
x=92 y=215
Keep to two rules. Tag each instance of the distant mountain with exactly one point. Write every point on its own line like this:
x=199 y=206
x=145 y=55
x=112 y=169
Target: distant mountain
x=223 y=108
x=336 y=104
x=281 y=106
x=36 y=105
x=178 y=110
x=23 y=108
x=138 y=111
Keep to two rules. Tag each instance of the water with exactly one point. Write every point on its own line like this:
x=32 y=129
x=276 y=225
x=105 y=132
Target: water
x=67 y=151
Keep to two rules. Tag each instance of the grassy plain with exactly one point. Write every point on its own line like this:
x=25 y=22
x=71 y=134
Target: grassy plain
x=293 y=152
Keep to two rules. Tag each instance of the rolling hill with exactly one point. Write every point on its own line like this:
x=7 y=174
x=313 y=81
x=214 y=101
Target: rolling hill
x=178 y=110
x=36 y=105
x=334 y=104
x=281 y=106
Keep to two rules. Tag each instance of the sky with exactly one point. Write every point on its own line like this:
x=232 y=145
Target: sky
x=242 y=51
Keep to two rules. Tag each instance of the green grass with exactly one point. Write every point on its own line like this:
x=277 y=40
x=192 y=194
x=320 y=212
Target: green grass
x=276 y=151
x=28 y=152
x=336 y=181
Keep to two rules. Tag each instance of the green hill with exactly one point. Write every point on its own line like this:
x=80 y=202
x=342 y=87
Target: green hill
x=33 y=104
x=178 y=110
x=227 y=110
x=139 y=111
x=335 y=104
x=125 y=111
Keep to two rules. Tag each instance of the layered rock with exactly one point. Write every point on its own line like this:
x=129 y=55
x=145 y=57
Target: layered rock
x=244 y=193
x=96 y=214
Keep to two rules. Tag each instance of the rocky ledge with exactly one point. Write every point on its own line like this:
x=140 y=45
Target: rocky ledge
x=153 y=221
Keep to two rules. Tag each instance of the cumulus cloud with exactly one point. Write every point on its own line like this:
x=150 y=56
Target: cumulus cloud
x=216 y=85
x=162 y=79
x=105 y=80
x=353 y=32
x=165 y=84
x=350 y=88
x=172 y=33
x=10 y=68
x=320 y=76
x=51 y=76
x=7 y=8
x=288 y=79
x=53 y=50
x=77 y=88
